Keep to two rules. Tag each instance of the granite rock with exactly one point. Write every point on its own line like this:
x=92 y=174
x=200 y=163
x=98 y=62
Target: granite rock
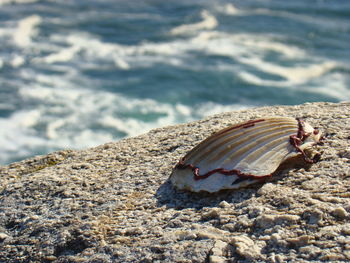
x=114 y=203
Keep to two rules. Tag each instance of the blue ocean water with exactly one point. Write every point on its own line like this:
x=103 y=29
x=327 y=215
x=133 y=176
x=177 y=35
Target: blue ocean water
x=75 y=74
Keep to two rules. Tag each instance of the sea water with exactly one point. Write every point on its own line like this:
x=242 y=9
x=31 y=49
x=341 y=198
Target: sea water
x=76 y=74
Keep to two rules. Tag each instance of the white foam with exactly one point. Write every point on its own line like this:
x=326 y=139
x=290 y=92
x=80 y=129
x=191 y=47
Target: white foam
x=59 y=49
x=183 y=110
x=243 y=45
x=122 y=56
x=177 y=52
x=211 y=108
x=294 y=75
x=26 y=30
x=16 y=135
x=209 y=22
x=64 y=55
x=269 y=43
x=333 y=85
x=6 y=2
x=247 y=49
x=255 y=80
x=228 y=9
x=77 y=105
x=92 y=45
x=17 y=61
x=121 y=63
x=52 y=128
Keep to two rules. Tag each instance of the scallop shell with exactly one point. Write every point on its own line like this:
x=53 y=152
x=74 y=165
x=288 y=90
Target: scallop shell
x=245 y=153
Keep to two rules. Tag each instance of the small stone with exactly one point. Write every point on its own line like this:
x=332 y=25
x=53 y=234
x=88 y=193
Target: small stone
x=246 y=248
x=347 y=254
x=346 y=229
x=310 y=251
x=217 y=259
x=185 y=235
x=224 y=204
x=339 y=213
x=3 y=236
x=132 y=231
x=266 y=189
x=34 y=217
x=212 y=214
x=279 y=259
x=219 y=248
x=218 y=252
x=332 y=257
x=313 y=216
x=345 y=153
x=275 y=237
x=268 y=221
x=51 y=258
x=276 y=258
x=211 y=233
x=299 y=241
x=78 y=166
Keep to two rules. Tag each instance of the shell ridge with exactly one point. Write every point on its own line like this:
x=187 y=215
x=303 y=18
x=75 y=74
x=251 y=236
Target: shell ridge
x=233 y=140
x=221 y=135
x=221 y=140
x=226 y=134
x=250 y=145
x=276 y=150
x=250 y=159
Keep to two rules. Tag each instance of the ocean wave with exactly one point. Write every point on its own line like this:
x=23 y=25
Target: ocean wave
x=79 y=118
x=294 y=75
x=246 y=49
x=17 y=61
x=209 y=22
x=244 y=44
x=334 y=85
x=228 y=9
x=26 y=30
x=176 y=52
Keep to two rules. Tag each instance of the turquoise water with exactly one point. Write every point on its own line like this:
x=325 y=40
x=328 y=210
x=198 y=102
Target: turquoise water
x=75 y=74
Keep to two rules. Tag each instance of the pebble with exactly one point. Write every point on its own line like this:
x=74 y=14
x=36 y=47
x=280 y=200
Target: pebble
x=212 y=214
x=340 y=213
x=224 y=204
x=246 y=248
x=3 y=236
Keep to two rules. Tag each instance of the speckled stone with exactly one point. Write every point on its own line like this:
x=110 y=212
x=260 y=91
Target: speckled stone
x=114 y=203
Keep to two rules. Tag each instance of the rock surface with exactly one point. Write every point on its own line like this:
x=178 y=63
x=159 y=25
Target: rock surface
x=113 y=203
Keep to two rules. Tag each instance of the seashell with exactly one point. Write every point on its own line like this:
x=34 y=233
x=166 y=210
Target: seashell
x=245 y=153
